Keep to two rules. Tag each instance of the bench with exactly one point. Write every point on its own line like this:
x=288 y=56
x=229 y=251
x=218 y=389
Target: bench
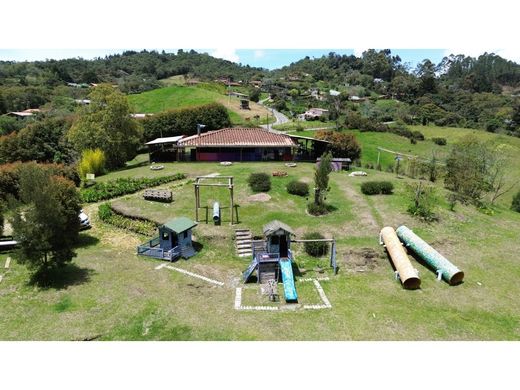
x=158 y=195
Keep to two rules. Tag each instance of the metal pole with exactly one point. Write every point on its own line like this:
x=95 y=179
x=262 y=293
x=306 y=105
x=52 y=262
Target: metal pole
x=231 y=196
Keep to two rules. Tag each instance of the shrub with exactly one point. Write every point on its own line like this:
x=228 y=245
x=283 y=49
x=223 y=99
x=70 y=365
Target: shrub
x=92 y=161
x=386 y=187
x=317 y=209
x=515 y=205
x=377 y=187
x=370 y=188
x=315 y=249
x=259 y=182
x=123 y=186
x=298 y=188
x=439 y=141
x=342 y=144
x=418 y=135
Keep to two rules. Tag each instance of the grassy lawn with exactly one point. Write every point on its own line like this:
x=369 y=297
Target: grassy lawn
x=109 y=293
x=370 y=141
x=180 y=96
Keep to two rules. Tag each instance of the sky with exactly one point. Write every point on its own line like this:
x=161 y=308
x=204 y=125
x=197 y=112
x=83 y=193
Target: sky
x=265 y=58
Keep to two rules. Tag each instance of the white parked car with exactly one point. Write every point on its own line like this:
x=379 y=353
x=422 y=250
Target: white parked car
x=84 y=222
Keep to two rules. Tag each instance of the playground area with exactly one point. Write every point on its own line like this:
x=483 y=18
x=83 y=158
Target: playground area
x=276 y=291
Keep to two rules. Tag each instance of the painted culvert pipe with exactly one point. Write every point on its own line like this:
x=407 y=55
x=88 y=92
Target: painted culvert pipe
x=434 y=259
x=404 y=267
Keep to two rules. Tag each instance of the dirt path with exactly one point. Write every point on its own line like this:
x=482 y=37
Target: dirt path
x=362 y=210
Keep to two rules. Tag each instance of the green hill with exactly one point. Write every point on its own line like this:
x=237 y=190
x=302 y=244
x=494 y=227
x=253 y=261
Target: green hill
x=180 y=96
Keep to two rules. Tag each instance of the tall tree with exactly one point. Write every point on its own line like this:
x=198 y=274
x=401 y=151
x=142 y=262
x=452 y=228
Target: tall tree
x=106 y=124
x=47 y=223
x=321 y=178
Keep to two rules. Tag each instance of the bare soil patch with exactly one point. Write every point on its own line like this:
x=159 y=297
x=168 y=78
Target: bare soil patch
x=261 y=197
x=363 y=259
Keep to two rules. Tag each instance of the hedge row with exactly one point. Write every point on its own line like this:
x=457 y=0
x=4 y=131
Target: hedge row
x=123 y=186
x=184 y=121
x=377 y=187
x=137 y=225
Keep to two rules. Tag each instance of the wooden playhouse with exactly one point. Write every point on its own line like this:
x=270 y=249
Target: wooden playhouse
x=174 y=241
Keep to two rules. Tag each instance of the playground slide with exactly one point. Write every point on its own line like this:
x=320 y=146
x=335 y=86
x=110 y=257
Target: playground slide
x=434 y=259
x=406 y=271
x=247 y=273
x=288 y=281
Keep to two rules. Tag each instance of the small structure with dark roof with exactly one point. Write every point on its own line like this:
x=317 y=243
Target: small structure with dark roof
x=164 y=149
x=174 y=241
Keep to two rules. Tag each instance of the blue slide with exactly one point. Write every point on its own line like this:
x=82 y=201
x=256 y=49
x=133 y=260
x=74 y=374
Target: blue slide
x=288 y=281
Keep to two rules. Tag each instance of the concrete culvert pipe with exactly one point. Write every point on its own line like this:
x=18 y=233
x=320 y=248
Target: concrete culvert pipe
x=404 y=267
x=216 y=213
x=434 y=259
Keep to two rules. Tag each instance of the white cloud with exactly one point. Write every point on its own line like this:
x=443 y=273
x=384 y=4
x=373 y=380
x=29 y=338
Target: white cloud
x=226 y=54
x=359 y=52
x=259 y=54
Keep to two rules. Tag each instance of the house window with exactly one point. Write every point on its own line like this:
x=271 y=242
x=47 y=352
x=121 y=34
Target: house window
x=186 y=234
x=165 y=236
x=275 y=240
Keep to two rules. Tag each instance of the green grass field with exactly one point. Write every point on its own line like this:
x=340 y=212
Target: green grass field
x=109 y=293
x=181 y=96
x=294 y=125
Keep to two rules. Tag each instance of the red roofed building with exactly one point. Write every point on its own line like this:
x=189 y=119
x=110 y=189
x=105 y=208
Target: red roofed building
x=240 y=144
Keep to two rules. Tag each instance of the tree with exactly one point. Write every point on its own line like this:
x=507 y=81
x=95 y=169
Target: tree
x=500 y=160
x=426 y=72
x=468 y=169
x=106 y=124
x=422 y=200
x=47 y=223
x=42 y=141
x=321 y=179
x=343 y=144
x=254 y=94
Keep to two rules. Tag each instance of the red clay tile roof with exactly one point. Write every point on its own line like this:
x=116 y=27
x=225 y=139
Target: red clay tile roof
x=239 y=136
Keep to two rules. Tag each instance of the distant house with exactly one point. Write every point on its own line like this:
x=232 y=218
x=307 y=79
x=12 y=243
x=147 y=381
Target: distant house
x=356 y=99
x=238 y=95
x=139 y=116
x=333 y=92
x=82 y=101
x=315 y=93
x=228 y=82
x=256 y=83
x=315 y=113
x=24 y=114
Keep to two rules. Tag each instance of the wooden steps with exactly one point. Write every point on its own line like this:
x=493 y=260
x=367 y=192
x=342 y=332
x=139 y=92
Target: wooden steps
x=243 y=238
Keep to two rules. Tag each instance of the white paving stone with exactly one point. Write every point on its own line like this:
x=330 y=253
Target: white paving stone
x=183 y=271
x=7 y=262
x=322 y=294
x=238 y=298
x=161 y=266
